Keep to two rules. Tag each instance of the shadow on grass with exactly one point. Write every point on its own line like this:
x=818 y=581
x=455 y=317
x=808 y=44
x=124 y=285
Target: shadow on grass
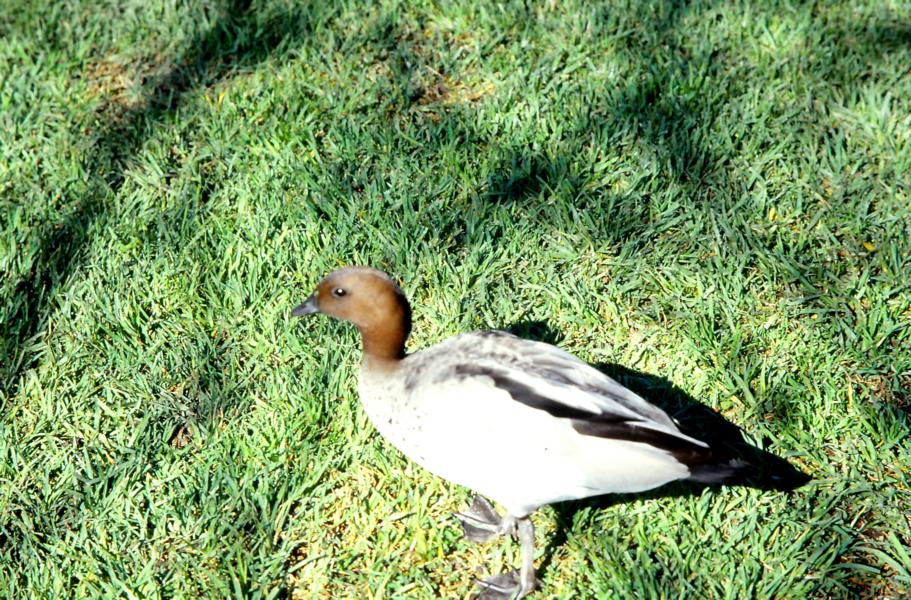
x=766 y=471
x=235 y=40
x=668 y=123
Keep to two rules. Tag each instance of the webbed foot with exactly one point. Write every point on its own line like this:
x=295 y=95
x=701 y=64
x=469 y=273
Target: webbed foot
x=499 y=587
x=505 y=586
x=481 y=522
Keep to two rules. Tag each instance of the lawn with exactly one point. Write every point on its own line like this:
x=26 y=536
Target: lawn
x=708 y=199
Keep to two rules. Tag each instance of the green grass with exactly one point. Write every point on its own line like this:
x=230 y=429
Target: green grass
x=715 y=193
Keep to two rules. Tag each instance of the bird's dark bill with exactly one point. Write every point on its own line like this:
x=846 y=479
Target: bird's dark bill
x=307 y=308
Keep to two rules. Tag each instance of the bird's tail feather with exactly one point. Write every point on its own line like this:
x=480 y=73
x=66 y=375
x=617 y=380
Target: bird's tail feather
x=720 y=472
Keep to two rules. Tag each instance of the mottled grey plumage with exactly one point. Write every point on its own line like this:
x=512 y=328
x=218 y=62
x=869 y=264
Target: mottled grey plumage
x=507 y=388
x=519 y=421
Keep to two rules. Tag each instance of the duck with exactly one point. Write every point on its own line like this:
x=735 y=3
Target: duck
x=518 y=421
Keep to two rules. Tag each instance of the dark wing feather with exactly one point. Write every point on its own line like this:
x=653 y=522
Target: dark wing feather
x=614 y=412
x=605 y=424
x=680 y=448
x=558 y=367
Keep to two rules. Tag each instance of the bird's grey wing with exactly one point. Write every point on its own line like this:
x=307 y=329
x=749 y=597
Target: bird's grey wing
x=545 y=378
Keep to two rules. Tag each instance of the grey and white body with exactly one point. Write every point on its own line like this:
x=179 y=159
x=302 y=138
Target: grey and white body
x=457 y=410
x=519 y=421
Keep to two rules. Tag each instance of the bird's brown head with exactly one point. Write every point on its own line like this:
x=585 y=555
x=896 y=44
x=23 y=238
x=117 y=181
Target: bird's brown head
x=372 y=301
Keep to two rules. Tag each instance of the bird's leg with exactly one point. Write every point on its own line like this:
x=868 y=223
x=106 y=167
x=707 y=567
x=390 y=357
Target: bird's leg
x=514 y=585
x=481 y=522
x=527 y=540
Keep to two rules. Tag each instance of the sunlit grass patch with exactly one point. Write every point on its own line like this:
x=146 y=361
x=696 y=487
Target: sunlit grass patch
x=708 y=199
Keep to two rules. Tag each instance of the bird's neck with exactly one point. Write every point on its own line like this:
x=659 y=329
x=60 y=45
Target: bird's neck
x=383 y=344
x=384 y=339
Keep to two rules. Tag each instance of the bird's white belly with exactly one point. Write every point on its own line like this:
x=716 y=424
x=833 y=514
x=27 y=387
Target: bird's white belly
x=547 y=461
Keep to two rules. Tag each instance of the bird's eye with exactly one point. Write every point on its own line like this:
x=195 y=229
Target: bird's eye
x=338 y=292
